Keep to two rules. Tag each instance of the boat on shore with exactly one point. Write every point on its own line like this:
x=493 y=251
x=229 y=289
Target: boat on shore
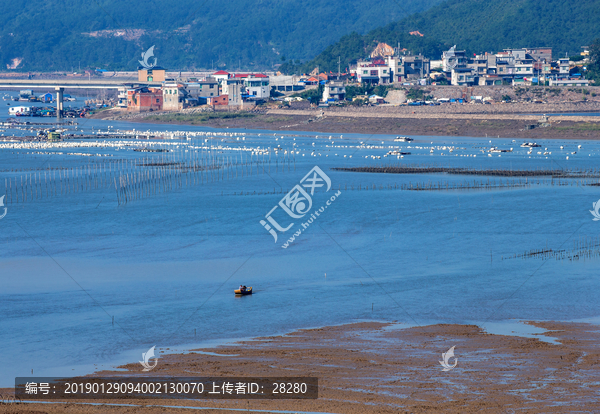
x=242 y=292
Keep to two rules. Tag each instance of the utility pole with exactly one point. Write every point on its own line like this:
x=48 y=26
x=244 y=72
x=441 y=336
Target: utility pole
x=339 y=67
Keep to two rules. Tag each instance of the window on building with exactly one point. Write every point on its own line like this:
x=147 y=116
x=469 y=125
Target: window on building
x=158 y=101
x=211 y=86
x=365 y=72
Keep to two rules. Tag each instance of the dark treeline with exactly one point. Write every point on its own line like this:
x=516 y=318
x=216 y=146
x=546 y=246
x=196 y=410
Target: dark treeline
x=475 y=26
x=51 y=35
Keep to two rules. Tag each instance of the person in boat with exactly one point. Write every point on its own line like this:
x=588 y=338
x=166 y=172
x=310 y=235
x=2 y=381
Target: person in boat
x=244 y=288
x=241 y=288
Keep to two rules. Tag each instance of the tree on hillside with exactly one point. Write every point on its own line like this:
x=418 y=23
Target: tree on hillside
x=593 y=69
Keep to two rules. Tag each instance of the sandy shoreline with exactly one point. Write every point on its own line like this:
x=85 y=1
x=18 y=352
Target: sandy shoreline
x=387 y=368
x=504 y=121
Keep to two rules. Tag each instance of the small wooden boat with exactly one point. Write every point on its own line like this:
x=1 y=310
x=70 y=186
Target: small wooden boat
x=247 y=291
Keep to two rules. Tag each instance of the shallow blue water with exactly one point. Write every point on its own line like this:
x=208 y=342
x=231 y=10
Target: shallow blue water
x=165 y=266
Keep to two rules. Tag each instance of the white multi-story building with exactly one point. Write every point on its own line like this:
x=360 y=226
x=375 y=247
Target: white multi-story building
x=256 y=85
x=563 y=66
x=221 y=76
x=334 y=90
x=390 y=69
x=122 y=97
x=375 y=70
x=173 y=95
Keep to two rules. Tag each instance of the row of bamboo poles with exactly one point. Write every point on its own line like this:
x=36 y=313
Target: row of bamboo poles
x=585 y=247
x=441 y=185
x=138 y=178
x=415 y=169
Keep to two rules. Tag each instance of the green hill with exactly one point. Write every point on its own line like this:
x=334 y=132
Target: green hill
x=477 y=26
x=253 y=34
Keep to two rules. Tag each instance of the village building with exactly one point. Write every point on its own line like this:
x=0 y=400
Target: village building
x=204 y=89
x=221 y=76
x=174 y=95
x=144 y=99
x=453 y=58
x=373 y=71
x=410 y=68
x=284 y=83
x=334 y=91
x=155 y=74
x=525 y=66
x=391 y=69
x=233 y=88
x=221 y=100
x=256 y=85
x=463 y=77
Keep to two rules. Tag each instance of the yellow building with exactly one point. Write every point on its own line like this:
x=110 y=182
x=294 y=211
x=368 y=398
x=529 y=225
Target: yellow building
x=155 y=74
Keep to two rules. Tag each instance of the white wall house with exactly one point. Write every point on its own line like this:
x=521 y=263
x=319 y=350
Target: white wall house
x=172 y=96
x=256 y=85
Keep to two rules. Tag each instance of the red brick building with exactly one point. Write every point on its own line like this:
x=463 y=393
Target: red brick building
x=218 y=100
x=144 y=99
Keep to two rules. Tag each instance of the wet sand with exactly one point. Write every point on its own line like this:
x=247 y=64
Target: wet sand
x=387 y=368
x=401 y=121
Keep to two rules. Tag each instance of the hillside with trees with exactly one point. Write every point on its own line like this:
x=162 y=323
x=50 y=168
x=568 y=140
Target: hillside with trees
x=476 y=26
x=64 y=35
